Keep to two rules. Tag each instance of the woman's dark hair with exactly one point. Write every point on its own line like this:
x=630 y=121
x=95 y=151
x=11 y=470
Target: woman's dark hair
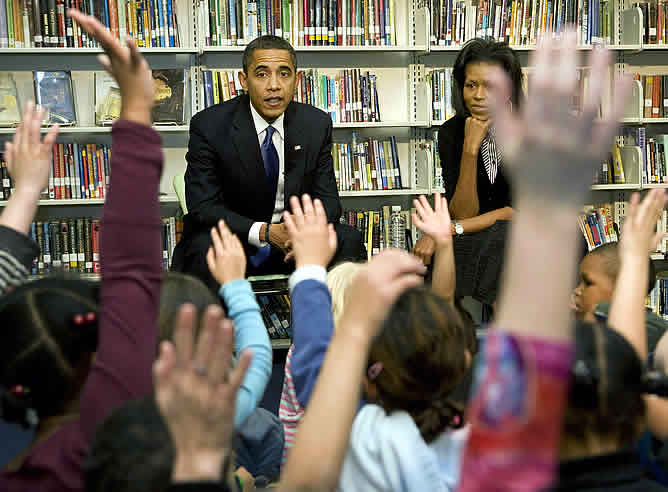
x=606 y=387
x=42 y=349
x=485 y=50
x=178 y=289
x=422 y=347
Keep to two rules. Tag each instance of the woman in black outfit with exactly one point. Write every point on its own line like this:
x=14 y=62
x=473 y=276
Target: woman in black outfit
x=476 y=186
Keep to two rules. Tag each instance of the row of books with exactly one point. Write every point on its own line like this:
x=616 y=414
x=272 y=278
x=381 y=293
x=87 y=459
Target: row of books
x=54 y=91
x=655 y=89
x=653 y=152
x=78 y=171
x=379 y=230
x=598 y=225
x=430 y=148
x=275 y=309
x=654 y=29
x=301 y=22
x=73 y=244
x=371 y=164
x=440 y=83
x=350 y=96
x=520 y=22
x=657 y=300
x=44 y=23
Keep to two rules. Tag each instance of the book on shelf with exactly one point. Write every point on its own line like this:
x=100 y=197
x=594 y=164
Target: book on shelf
x=379 y=231
x=440 y=84
x=430 y=149
x=73 y=244
x=520 y=22
x=611 y=169
x=54 y=92
x=107 y=99
x=169 y=104
x=275 y=310
x=44 y=23
x=301 y=22
x=78 y=171
x=351 y=96
x=220 y=86
x=657 y=300
x=370 y=164
x=654 y=89
x=10 y=110
x=599 y=224
x=654 y=29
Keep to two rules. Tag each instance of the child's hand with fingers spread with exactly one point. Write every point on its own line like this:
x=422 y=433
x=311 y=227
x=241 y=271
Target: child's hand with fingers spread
x=226 y=258
x=28 y=157
x=639 y=235
x=435 y=222
x=312 y=239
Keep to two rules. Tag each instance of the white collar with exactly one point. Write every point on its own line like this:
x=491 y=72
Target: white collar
x=261 y=124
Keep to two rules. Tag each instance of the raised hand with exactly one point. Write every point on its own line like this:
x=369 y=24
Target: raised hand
x=549 y=150
x=639 y=235
x=226 y=258
x=28 y=157
x=196 y=388
x=312 y=239
x=376 y=287
x=435 y=222
x=128 y=67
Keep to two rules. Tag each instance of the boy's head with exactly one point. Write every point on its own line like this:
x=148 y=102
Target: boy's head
x=597 y=277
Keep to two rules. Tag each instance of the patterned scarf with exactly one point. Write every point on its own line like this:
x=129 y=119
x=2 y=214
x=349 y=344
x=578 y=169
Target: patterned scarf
x=491 y=155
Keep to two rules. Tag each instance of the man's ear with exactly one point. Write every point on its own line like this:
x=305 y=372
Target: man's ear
x=243 y=80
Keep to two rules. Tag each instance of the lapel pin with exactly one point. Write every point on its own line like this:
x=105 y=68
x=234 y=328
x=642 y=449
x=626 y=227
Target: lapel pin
x=298 y=147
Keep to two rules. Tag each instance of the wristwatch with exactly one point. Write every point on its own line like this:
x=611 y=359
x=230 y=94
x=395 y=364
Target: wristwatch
x=459 y=229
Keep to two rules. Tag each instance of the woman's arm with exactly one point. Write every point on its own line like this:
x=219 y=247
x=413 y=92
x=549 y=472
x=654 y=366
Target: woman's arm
x=481 y=222
x=464 y=203
x=129 y=242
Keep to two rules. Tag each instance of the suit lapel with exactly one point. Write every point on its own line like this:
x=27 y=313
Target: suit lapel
x=246 y=142
x=295 y=153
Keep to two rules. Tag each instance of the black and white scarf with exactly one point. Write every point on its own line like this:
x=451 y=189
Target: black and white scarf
x=491 y=155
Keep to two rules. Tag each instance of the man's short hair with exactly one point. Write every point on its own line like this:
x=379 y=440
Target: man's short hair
x=268 y=43
x=609 y=253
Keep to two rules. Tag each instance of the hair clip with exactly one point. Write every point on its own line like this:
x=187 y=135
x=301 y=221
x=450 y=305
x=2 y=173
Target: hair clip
x=374 y=371
x=84 y=319
x=18 y=390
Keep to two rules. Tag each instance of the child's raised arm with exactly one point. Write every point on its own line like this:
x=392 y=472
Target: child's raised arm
x=227 y=263
x=436 y=224
x=129 y=239
x=28 y=161
x=521 y=387
x=329 y=416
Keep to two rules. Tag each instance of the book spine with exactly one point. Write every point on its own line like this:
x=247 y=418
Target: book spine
x=18 y=24
x=10 y=23
x=170 y=23
x=26 y=19
x=4 y=34
x=95 y=240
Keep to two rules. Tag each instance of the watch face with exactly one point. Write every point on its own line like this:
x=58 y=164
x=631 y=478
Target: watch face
x=459 y=229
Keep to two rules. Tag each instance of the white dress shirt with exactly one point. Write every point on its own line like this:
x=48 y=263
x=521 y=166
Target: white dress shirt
x=278 y=140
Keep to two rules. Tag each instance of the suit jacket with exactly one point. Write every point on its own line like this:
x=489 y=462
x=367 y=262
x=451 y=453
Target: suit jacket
x=225 y=178
x=450 y=149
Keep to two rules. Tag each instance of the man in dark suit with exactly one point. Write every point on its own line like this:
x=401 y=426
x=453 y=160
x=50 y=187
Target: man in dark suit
x=248 y=156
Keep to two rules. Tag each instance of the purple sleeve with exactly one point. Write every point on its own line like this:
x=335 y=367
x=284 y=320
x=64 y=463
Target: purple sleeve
x=312 y=327
x=130 y=257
